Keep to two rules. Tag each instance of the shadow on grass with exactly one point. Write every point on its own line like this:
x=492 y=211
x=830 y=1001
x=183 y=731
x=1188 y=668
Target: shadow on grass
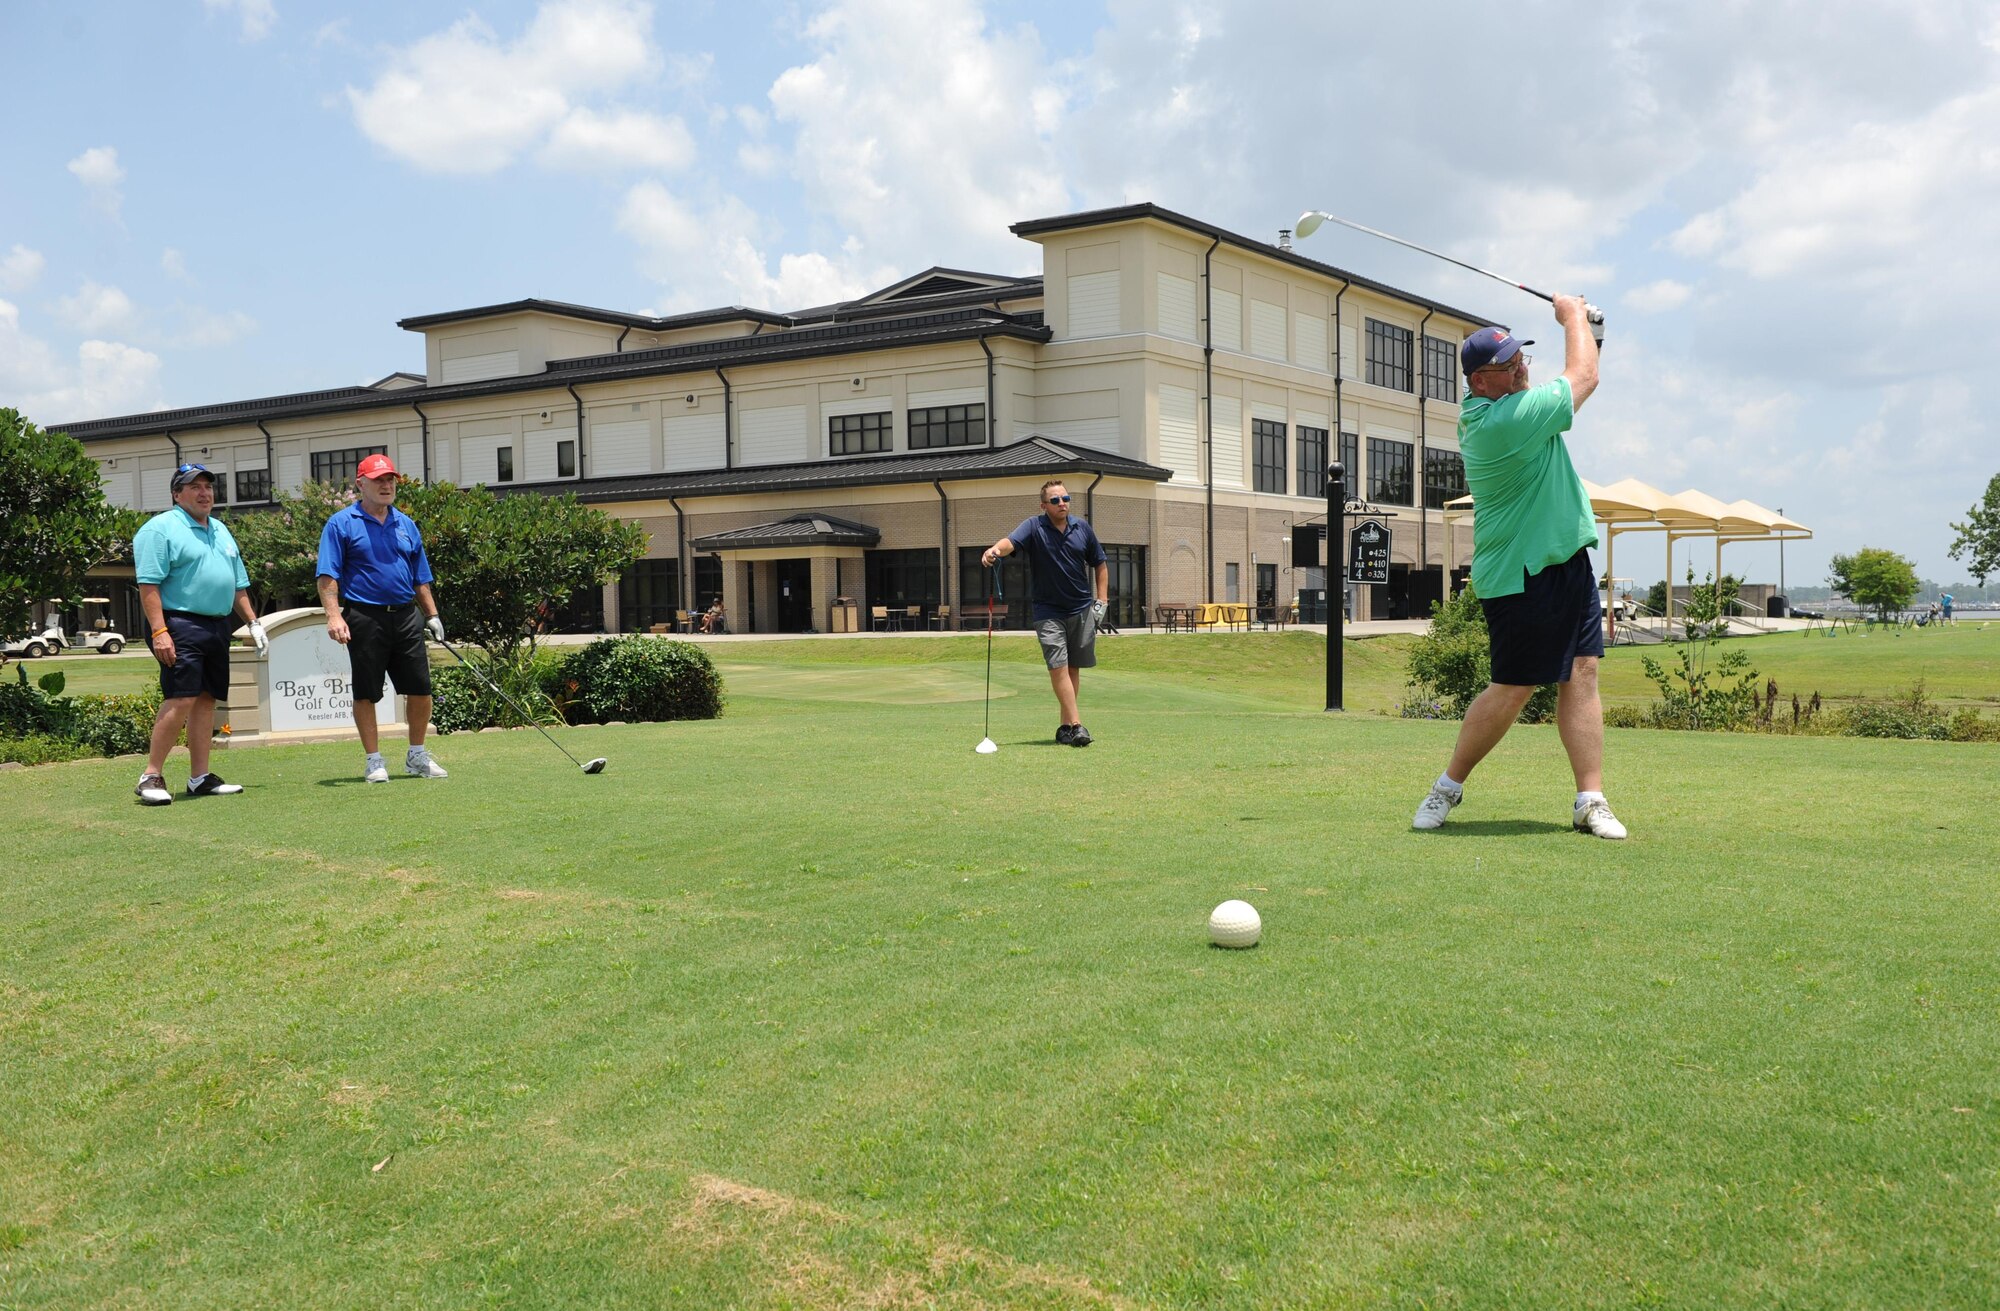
x=1499 y=828
x=359 y=782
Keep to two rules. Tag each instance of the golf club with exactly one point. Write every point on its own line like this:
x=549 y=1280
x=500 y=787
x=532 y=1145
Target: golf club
x=587 y=766
x=1310 y=220
x=987 y=746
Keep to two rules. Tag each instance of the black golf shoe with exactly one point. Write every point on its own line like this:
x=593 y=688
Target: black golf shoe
x=1065 y=735
x=1079 y=736
x=211 y=785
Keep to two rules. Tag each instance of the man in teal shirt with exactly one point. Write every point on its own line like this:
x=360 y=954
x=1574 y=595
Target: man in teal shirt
x=1532 y=530
x=190 y=577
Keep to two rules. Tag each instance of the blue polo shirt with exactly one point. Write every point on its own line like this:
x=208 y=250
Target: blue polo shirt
x=196 y=566
x=374 y=563
x=1062 y=565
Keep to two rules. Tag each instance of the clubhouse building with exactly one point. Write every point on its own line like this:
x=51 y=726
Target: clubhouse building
x=1186 y=382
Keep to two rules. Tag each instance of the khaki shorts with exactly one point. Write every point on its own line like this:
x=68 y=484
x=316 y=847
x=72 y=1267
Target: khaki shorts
x=1069 y=641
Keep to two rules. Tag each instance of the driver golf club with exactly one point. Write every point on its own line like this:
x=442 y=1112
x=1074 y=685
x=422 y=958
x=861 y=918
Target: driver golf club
x=1310 y=220
x=987 y=746
x=587 y=766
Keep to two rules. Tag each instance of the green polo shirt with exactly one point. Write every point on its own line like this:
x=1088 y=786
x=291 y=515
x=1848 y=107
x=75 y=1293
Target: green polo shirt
x=197 y=568
x=1529 y=507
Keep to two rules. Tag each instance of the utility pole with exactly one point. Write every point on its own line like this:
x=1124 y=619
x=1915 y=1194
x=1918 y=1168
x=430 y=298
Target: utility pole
x=1336 y=580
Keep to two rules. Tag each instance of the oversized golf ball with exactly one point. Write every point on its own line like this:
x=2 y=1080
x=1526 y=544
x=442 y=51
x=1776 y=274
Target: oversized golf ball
x=1235 y=924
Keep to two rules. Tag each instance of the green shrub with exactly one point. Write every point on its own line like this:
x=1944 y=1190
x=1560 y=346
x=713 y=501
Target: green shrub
x=41 y=749
x=1451 y=664
x=1913 y=715
x=461 y=702
x=1624 y=716
x=1968 y=725
x=643 y=679
x=101 y=725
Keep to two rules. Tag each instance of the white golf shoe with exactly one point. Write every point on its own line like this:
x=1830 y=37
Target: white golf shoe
x=1436 y=807
x=1595 y=818
x=420 y=764
x=377 y=771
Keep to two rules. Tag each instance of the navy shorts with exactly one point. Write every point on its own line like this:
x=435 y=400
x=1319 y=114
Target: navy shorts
x=201 y=656
x=387 y=639
x=1538 y=634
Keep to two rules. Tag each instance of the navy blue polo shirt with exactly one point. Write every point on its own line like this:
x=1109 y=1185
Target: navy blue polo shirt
x=1062 y=565
x=374 y=563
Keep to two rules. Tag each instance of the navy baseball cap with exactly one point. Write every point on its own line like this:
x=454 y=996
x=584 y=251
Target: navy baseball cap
x=187 y=473
x=1489 y=346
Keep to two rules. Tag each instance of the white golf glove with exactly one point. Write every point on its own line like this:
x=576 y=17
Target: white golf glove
x=1098 y=610
x=257 y=637
x=435 y=627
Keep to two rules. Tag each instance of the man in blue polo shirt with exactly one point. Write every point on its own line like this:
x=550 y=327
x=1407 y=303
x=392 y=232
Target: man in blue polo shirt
x=1070 y=587
x=190 y=577
x=375 y=583
x=1532 y=530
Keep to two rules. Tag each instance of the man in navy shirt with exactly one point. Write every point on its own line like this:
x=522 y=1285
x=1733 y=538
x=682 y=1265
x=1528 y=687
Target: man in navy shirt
x=1071 y=587
x=375 y=582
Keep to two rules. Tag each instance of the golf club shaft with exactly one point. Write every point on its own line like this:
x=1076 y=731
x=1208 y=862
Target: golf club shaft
x=990 y=570
x=1596 y=315
x=481 y=676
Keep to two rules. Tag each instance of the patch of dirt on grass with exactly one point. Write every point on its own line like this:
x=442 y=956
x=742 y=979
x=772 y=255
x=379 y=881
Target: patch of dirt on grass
x=519 y=894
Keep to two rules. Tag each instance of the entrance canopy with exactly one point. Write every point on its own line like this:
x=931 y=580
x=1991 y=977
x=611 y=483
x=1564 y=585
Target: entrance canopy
x=802 y=535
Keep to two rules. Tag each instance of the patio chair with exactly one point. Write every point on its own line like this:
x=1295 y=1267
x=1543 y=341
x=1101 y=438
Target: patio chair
x=879 y=616
x=941 y=618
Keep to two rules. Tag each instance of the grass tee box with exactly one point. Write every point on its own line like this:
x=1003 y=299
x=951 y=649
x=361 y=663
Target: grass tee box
x=811 y=1006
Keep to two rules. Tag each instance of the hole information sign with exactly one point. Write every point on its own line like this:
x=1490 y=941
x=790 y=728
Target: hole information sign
x=1368 y=553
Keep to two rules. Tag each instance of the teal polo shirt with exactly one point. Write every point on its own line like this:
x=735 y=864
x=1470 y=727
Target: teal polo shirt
x=197 y=568
x=1529 y=507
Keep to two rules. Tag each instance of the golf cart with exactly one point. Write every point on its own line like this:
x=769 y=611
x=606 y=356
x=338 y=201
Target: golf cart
x=35 y=645
x=96 y=633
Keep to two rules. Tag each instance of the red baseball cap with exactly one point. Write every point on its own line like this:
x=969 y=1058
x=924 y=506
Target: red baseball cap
x=376 y=466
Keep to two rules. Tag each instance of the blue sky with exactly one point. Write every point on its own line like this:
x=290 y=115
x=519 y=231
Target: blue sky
x=1787 y=210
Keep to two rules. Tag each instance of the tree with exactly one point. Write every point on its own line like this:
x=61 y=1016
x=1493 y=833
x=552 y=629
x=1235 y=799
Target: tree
x=505 y=565
x=1874 y=577
x=54 y=522
x=1978 y=541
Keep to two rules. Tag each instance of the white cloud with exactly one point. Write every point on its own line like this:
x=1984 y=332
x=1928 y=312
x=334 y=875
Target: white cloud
x=198 y=327
x=97 y=308
x=1658 y=297
x=258 y=16
x=106 y=377
x=20 y=268
x=462 y=101
x=715 y=255
x=620 y=139
x=908 y=126
x=99 y=171
x=174 y=265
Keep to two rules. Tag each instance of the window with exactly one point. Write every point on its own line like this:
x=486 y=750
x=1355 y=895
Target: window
x=707 y=580
x=858 y=434
x=1008 y=581
x=1267 y=451
x=503 y=465
x=339 y=467
x=221 y=481
x=947 y=425
x=1444 y=477
x=902 y=578
x=253 y=485
x=566 y=459
x=1126 y=573
x=1312 y=461
x=1232 y=581
x=1440 y=369
x=649 y=593
x=1350 y=460
x=1389 y=355
x=1389 y=472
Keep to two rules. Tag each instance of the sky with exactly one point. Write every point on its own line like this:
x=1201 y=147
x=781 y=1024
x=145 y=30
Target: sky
x=1788 y=211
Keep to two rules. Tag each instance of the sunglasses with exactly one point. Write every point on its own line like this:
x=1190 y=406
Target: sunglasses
x=1059 y=500
x=1523 y=359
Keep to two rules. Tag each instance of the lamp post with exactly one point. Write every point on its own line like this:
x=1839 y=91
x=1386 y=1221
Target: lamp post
x=1336 y=580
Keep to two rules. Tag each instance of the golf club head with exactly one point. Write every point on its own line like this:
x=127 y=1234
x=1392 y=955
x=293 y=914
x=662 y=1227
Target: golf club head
x=987 y=746
x=594 y=766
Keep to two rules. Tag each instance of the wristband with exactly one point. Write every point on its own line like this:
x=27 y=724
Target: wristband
x=158 y=631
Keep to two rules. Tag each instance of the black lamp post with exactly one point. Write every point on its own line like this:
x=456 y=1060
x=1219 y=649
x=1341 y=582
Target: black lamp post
x=1336 y=579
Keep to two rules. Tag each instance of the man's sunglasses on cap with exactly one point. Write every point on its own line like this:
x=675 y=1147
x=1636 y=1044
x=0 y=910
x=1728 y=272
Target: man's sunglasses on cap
x=187 y=473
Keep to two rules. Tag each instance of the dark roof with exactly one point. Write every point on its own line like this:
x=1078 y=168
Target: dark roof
x=799 y=530
x=939 y=296
x=1030 y=456
x=1094 y=218
x=652 y=323
x=693 y=357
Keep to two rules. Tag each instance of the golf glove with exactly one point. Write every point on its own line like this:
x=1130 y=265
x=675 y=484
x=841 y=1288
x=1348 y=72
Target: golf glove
x=435 y=627
x=1098 y=611
x=262 y=643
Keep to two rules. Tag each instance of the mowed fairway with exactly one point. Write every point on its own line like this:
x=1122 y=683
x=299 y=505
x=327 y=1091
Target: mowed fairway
x=811 y=1006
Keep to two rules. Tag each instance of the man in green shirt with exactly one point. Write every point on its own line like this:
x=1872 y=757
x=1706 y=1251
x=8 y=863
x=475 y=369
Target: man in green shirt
x=1532 y=530
x=191 y=577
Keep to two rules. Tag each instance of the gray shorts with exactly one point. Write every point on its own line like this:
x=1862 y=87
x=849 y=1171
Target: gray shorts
x=1069 y=641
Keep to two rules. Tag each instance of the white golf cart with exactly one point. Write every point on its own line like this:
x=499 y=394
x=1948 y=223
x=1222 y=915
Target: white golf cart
x=34 y=646
x=96 y=634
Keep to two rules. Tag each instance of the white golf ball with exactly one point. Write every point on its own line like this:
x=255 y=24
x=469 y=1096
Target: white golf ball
x=1234 y=924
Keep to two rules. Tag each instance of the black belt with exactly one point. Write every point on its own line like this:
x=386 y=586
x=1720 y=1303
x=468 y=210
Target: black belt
x=190 y=614
x=383 y=609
